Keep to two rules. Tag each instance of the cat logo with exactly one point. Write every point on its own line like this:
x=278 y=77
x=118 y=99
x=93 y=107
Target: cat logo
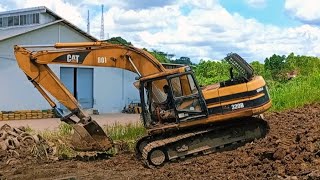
x=74 y=58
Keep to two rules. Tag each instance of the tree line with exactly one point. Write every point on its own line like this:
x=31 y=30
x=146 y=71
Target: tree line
x=278 y=68
x=163 y=57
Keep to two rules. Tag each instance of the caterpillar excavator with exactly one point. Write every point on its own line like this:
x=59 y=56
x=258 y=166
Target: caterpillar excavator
x=182 y=119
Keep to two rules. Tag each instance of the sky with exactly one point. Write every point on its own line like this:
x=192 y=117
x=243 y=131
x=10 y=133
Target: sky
x=199 y=29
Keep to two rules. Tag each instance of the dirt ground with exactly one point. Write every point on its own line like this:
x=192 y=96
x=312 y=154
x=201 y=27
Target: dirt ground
x=291 y=150
x=53 y=123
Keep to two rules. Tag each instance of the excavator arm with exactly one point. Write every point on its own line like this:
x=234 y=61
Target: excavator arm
x=88 y=134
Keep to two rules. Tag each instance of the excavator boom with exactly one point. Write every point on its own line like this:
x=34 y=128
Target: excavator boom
x=88 y=134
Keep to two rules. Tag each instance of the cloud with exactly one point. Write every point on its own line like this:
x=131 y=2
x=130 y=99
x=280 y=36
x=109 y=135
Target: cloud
x=206 y=31
x=256 y=3
x=2 y=8
x=128 y=4
x=306 y=11
x=143 y=4
x=130 y=23
x=6 y=5
x=73 y=14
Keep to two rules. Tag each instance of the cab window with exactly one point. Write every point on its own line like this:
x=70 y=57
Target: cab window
x=183 y=86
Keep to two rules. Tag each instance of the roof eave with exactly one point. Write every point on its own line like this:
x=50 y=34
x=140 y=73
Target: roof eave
x=71 y=25
x=59 y=19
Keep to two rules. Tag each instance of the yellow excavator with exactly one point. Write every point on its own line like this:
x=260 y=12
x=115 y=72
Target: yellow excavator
x=182 y=119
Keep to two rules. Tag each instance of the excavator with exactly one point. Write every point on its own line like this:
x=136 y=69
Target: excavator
x=182 y=119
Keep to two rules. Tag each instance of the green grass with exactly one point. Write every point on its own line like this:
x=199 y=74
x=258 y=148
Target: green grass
x=124 y=137
x=60 y=138
x=65 y=129
x=295 y=93
x=128 y=133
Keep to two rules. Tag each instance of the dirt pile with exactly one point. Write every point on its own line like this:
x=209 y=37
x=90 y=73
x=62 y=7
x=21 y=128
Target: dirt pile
x=17 y=144
x=291 y=150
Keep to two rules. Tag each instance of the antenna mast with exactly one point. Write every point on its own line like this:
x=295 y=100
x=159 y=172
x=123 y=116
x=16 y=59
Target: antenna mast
x=88 y=23
x=102 y=25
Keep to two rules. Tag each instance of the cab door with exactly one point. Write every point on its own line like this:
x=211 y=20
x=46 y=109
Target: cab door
x=188 y=98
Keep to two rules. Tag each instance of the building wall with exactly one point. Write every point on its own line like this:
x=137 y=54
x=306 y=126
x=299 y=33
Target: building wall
x=16 y=92
x=45 y=18
x=112 y=87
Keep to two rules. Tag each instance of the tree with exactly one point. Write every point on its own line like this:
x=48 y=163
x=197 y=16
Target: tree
x=276 y=65
x=118 y=40
x=160 y=56
x=258 y=67
x=305 y=65
x=182 y=60
x=209 y=72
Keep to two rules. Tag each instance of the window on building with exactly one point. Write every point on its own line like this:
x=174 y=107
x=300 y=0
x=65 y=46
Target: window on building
x=4 y=21
x=20 y=20
x=10 y=21
x=37 y=18
x=16 y=20
x=23 y=19
x=33 y=18
x=29 y=19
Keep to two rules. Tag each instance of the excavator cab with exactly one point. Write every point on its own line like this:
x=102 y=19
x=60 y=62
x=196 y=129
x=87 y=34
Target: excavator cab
x=172 y=98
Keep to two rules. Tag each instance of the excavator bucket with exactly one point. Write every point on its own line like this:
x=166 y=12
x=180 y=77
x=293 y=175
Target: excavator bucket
x=90 y=137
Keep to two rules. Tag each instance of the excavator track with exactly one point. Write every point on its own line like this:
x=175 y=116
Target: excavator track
x=155 y=151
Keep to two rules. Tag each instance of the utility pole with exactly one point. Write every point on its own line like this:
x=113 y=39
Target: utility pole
x=102 y=25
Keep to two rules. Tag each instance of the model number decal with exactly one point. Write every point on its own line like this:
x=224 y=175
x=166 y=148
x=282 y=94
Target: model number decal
x=237 y=106
x=102 y=60
x=260 y=89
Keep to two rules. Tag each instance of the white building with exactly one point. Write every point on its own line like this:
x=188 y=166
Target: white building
x=103 y=89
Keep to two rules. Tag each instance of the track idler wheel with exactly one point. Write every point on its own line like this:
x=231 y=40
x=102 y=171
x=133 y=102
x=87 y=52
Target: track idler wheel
x=157 y=157
x=140 y=144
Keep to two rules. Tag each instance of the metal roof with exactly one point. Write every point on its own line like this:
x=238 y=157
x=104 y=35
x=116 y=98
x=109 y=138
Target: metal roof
x=9 y=13
x=7 y=33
